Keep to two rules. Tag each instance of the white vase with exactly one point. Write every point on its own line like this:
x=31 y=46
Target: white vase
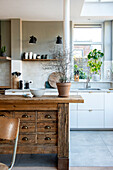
x=96 y=77
x=30 y=55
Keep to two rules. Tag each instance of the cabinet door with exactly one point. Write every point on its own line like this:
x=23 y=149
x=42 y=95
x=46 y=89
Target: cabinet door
x=108 y=110
x=92 y=100
x=91 y=119
x=73 y=119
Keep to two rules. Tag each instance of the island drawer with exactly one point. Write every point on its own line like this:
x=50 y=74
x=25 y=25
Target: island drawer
x=27 y=127
x=50 y=115
x=6 y=114
x=47 y=139
x=3 y=141
x=46 y=127
x=25 y=116
x=27 y=139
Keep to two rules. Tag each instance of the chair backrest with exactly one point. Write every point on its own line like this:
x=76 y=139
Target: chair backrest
x=9 y=128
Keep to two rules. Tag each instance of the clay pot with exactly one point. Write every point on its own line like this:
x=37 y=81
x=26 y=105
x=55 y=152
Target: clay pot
x=63 y=89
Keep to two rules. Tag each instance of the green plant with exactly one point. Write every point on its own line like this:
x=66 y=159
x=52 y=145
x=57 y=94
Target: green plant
x=94 y=61
x=79 y=71
x=3 y=49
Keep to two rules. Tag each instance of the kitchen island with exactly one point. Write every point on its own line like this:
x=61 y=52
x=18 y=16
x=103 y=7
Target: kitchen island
x=44 y=125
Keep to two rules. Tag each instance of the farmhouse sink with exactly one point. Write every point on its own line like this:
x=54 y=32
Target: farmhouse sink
x=89 y=89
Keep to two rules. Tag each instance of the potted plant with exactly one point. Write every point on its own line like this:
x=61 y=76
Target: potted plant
x=3 y=51
x=63 y=67
x=94 y=63
x=80 y=72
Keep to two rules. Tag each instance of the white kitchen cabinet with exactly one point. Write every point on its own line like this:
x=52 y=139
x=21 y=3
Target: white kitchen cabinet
x=92 y=100
x=109 y=110
x=73 y=119
x=90 y=119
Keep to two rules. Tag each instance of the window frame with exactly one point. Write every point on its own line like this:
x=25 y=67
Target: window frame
x=75 y=43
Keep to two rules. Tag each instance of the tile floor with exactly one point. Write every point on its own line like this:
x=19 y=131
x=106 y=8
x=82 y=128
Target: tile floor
x=89 y=150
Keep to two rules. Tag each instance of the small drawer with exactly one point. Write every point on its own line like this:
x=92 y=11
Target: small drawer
x=46 y=116
x=25 y=116
x=47 y=139
x=6 y=114
x=46 y=127
x=3 y=141
x=27 y=127
x=27 y=139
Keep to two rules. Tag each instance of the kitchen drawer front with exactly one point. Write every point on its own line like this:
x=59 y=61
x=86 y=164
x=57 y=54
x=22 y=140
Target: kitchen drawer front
x=47 y=116
x=25 y=116
x=90 y=119
x=2 y=141
x=27 y=127
x=27 y=139
x=73 y=106
x=6 y=114
x=47 y=139
x=46 y=127
x=92 y=100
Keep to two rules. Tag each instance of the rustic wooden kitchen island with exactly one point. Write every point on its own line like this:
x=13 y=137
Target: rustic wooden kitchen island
x=44 y=126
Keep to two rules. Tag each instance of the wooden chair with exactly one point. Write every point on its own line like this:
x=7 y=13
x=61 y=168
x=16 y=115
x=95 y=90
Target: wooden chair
x=9 y=130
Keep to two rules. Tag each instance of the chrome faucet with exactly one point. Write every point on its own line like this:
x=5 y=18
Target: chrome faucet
x=87 y=82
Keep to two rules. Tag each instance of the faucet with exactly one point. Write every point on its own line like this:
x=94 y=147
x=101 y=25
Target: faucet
x=87 y=82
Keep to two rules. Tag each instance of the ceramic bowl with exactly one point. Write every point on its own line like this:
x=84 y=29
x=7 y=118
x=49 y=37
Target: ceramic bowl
x=37 y=92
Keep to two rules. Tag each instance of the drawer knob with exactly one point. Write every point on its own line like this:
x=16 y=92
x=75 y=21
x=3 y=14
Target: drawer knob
x=48 y=116
x=47 y=138
x=25 y=139
x=2 y=115
x=47 y=127
x=24 y=127
x=90 y=110
x=25 y=116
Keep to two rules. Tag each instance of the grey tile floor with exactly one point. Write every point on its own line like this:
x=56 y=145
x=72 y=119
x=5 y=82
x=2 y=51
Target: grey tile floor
x=91 y=148
x=87 y=149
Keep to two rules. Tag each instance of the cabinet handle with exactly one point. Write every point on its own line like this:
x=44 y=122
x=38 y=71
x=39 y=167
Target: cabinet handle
x=2 y=139
x=47 y=127
x=24 y=116
x=25 y=139
x=48 y=116
x=2 y=115
x=24 y=127
x=47 y=138
x=90 y=110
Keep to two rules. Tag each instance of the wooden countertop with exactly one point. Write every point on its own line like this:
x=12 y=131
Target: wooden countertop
x=43 y=99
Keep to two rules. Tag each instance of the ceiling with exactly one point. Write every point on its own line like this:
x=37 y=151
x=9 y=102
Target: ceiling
x=50 y=10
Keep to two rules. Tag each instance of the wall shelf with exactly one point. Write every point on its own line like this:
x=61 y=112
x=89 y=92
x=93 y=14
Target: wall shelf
x=5 y=58
x=39 y=59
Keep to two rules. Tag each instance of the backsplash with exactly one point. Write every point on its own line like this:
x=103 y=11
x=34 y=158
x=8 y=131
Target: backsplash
x=37 y=72
x=5 y=73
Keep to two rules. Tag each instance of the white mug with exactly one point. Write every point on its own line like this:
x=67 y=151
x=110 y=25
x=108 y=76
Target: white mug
x=26 y=55
x=30 y=55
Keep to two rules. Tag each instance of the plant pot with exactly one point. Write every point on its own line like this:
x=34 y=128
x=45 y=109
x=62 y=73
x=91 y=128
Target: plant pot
x=96 y=77
x=63 y=89
x=3 y=54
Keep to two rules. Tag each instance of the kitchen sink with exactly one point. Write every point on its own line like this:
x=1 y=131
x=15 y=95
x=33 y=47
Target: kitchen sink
x=89 y=89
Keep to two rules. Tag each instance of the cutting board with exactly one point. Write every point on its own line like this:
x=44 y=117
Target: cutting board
x=53 y=79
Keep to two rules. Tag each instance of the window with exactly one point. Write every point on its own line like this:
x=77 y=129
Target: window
x=86 y=38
